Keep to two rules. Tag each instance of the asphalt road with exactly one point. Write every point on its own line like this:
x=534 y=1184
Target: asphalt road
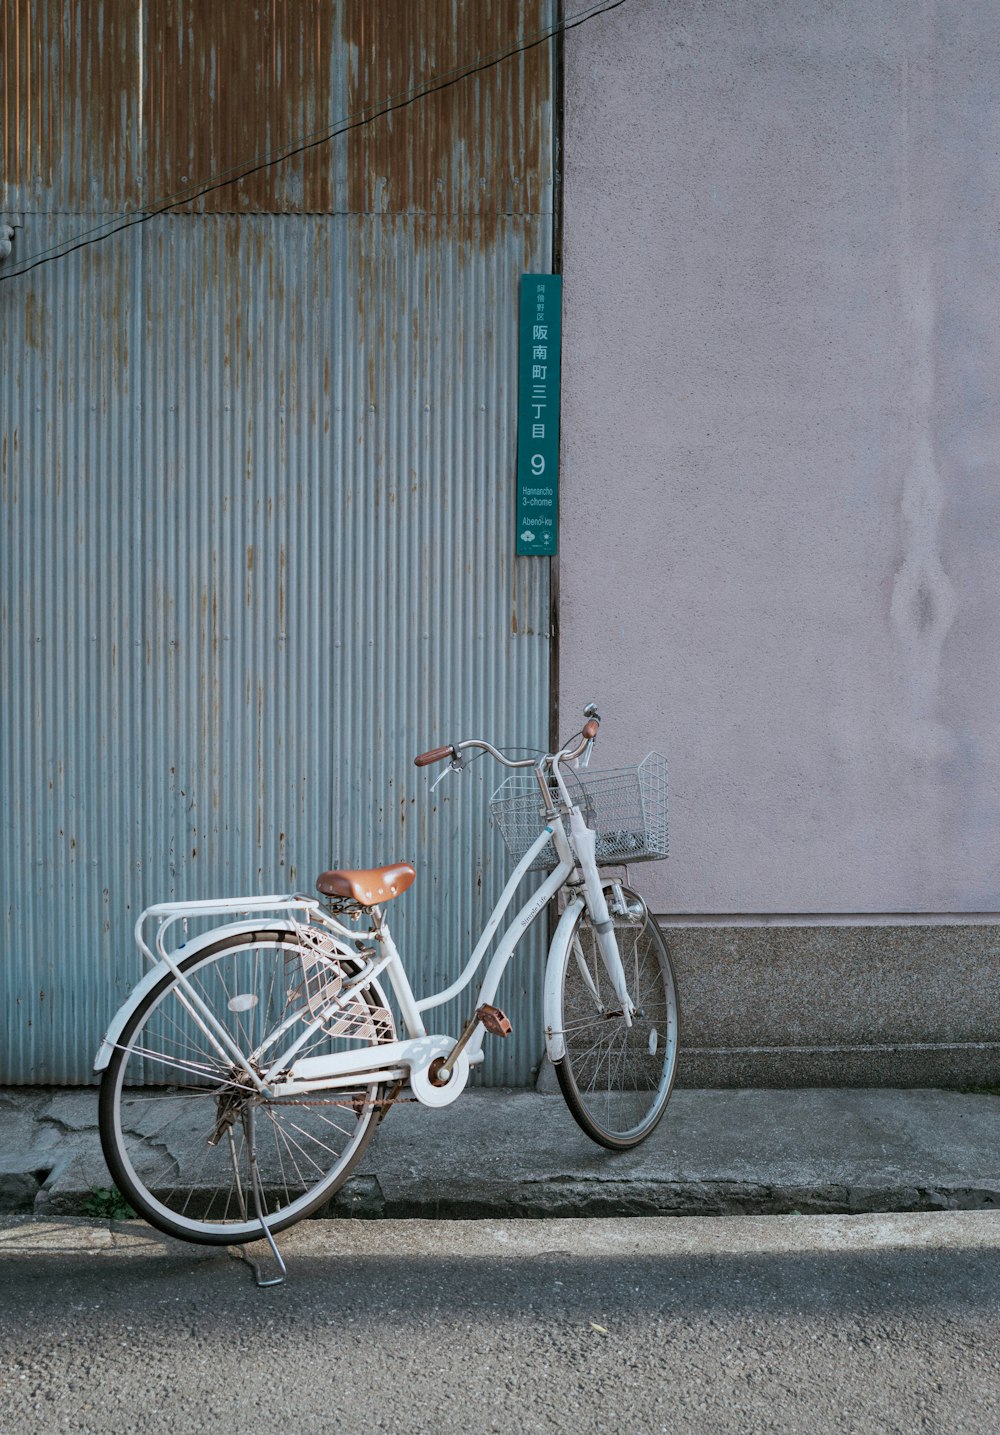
x=874 y=1324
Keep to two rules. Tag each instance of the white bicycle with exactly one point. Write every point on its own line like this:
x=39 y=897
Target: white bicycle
x=244 y=1077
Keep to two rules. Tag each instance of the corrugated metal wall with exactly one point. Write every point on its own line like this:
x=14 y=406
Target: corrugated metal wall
x=257 y=464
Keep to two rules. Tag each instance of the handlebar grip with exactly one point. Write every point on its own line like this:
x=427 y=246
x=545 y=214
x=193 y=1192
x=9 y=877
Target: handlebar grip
x=436 y=754
x=590 y=729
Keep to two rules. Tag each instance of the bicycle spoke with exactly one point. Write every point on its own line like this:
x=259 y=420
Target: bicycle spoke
x=616 y=1078
x=157 y=1137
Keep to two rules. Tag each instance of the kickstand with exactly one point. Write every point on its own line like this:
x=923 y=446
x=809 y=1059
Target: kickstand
x=248 y=1123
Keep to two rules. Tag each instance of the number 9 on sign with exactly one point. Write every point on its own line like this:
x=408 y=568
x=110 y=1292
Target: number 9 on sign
x=537 y=464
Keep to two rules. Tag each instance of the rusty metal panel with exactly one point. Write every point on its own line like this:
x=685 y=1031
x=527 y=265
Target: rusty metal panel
x=226 y=85
x=255 y=472
x=113 y=105
x=70 y=85
x=482 y=144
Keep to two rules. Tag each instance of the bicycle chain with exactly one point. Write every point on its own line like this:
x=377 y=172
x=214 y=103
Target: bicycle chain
x=386 y=1101
x=376 y=1101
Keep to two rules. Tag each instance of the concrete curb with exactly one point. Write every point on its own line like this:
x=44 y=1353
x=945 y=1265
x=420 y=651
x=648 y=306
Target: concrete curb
x=503 y=1154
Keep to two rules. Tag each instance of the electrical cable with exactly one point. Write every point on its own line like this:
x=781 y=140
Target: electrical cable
x=374 y=111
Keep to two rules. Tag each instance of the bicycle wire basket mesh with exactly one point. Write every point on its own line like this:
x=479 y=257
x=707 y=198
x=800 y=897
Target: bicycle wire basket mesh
x=626 y=807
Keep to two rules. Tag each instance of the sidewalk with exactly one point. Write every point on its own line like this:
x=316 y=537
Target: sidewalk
x=518 y=1153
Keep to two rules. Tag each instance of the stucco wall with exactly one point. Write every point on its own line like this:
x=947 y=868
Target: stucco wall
x=780 y=521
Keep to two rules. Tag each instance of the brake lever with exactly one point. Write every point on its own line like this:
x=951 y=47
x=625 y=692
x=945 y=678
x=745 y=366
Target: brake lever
x=456 y=765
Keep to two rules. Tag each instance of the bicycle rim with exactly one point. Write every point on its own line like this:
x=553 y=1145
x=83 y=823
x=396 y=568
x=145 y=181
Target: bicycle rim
x=616 y=1078
x=173 y=1112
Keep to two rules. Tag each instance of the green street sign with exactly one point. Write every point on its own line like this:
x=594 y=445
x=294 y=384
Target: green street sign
x=538 y=415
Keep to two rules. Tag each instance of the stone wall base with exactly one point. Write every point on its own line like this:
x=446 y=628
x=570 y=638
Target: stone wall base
x=865 y=1005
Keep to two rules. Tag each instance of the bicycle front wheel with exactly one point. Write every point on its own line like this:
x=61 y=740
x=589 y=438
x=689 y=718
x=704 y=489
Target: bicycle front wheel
x=175 y=1116
x=616 y=1078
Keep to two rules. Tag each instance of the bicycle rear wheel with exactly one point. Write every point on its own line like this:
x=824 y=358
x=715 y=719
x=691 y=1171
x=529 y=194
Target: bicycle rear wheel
x=617 y=1079
x=174 y=1114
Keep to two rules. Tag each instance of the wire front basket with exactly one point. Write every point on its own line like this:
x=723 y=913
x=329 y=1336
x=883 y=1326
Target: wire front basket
x=626 y=807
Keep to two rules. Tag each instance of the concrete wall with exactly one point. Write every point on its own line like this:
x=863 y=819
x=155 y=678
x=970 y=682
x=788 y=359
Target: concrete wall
x=780 y=523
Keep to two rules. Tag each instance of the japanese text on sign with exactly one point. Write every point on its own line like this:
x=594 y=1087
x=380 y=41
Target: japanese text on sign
x=538 y=415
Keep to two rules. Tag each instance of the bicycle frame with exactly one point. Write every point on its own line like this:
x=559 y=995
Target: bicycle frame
x=420 y=1048
x=273 y=1070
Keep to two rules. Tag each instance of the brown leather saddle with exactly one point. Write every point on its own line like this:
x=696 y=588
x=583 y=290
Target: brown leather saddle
x=368 y=888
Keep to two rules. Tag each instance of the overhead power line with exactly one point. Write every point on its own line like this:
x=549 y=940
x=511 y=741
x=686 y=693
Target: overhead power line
x=375 y=110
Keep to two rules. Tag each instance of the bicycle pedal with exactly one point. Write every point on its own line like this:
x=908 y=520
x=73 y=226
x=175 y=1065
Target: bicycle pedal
x=494 y=1020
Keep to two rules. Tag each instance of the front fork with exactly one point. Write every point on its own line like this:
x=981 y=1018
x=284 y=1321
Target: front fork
x=585 y=842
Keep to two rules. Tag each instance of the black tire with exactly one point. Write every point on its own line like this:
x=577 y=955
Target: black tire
x=155 y=1135
x=617 y=1079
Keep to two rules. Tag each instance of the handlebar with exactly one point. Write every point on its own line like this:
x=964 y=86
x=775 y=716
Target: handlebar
x=436 y=754
x=587 y=735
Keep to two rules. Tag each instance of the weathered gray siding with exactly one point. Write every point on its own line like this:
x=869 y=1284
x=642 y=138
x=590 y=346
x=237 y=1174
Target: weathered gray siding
x=257 y=473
